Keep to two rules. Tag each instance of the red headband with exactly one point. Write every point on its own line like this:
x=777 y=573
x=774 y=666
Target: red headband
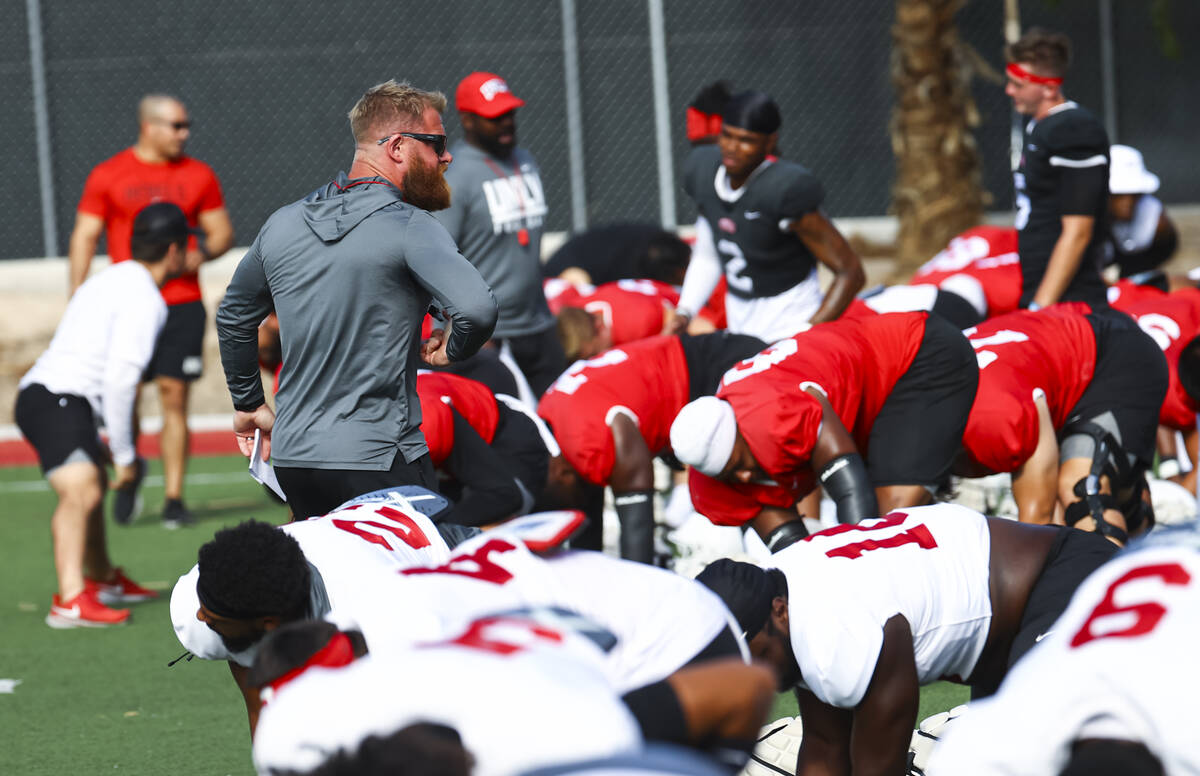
x=337 y=653
x=701 y=125
x=1021 y=74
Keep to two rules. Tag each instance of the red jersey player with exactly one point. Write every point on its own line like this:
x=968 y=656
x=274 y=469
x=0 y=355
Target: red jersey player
x=1064 y=394
x=612 y=414
x=490 y=451
x=613 y=314
x=984 y=257
x=1172 y=321
x=892 y=389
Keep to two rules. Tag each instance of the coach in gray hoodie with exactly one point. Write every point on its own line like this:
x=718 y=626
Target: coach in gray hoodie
x=350 y=270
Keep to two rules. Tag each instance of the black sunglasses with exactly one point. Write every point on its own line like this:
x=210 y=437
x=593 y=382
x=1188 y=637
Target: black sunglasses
x=436 y=142
x=178 y=126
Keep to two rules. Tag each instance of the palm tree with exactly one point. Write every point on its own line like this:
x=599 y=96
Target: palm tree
x=938 y=190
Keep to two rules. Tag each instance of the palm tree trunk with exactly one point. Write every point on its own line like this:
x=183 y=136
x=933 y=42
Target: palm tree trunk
x=938 y=190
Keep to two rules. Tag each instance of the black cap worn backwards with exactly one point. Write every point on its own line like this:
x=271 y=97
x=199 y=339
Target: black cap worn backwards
x=746 y=590
x=161 y=222
x=753 y=111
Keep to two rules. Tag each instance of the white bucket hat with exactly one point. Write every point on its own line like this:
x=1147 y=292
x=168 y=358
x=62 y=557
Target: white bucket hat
x=1127 y=173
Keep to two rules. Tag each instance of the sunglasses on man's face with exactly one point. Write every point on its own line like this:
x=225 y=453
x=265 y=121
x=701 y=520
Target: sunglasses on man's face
x=436 y=142
x=178 y=126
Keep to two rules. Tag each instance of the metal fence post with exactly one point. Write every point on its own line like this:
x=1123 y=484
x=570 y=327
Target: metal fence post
x=41 y=121
x=1108 y=69
x=662 y=115
x=574 y=117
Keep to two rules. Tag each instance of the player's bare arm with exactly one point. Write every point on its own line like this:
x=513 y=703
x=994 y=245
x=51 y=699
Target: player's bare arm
x=839 y=466
x=884 y=719
x=1035 y=482
x=249 y=694
x=723 y=700
x=830 y=248
x=632 y=483
x=218 y=237
x=633 y=469
x=825 y=748
x=1064 y=260
x=84 y=239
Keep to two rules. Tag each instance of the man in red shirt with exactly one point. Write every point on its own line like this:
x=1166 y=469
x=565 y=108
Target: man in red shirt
x=872 y=407
x=155 y=169
x=1065 y=394
x=612 y=414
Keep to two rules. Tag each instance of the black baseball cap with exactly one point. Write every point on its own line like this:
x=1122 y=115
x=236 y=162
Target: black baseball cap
x=161 y=222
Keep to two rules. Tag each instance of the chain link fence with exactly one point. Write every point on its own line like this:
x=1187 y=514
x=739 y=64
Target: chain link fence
x=268 y=85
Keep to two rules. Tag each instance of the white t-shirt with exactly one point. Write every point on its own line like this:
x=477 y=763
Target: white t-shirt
x=351 y=549
x=659 y=619
x=102 y=345
x=929 y=564
x=1119 y=663
x=521 y=697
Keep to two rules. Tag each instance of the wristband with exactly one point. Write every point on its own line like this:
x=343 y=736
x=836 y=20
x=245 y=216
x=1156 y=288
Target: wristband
x=786 y=535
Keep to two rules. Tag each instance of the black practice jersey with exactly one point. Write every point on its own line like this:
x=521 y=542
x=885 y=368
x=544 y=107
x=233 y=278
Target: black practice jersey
x=761 y=256
x=1063 y=172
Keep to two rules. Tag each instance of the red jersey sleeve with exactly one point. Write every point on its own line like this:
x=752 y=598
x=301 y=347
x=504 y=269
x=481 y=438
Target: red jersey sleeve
x=728 y=504
x=437 y=424
x=210 y=197
x=94 y=200
x=1002 y=429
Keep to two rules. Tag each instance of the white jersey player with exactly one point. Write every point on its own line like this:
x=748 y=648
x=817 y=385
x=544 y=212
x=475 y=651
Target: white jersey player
x=252 y=578
x=521 y=694
x=1119 y=665
x=661 y=621
x=857 y=617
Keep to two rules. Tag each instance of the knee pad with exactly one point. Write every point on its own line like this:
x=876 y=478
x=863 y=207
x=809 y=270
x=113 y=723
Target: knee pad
x=1127 y=481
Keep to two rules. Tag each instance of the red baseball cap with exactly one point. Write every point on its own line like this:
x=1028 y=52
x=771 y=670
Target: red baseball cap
x=485 y=94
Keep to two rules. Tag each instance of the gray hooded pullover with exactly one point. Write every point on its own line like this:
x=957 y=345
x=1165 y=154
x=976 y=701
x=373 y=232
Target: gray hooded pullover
x=350 y=270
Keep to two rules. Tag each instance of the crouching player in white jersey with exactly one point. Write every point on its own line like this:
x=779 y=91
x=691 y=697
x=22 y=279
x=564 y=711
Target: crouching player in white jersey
x=661 y=621
x=524 y=690
x=254 y=577
x=857 y=617
x=1110 y=688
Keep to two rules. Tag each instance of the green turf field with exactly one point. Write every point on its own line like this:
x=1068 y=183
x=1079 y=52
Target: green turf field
x=104 y=701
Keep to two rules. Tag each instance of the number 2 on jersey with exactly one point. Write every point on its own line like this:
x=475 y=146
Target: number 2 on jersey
x=400 y=525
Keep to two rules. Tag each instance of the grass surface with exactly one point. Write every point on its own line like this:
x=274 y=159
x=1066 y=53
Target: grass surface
x=94 y=701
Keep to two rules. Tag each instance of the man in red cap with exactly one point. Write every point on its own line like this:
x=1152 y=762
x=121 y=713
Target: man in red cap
x=495 y=216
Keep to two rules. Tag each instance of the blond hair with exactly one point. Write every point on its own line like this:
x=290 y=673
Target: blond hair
x=388 y=103
x=576 y=328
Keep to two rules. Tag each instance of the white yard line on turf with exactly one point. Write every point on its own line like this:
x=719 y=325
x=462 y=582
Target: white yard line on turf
x=153 y=481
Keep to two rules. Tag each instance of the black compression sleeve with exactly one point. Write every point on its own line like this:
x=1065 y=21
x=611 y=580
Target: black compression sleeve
x=658 y=712
x=845 y=480
x=635 y=512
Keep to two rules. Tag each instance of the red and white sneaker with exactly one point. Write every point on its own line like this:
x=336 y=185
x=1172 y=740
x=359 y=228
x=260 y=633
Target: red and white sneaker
x=83 y=611
x=122 y=590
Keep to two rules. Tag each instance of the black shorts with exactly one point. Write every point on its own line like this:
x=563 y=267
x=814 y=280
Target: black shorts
x=919 y=430
x=710 y=356
x=518 y=440
x=1130 y=381
x=61 y=428
x=179 y=352
x=540 y=356
x=1073 y=556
